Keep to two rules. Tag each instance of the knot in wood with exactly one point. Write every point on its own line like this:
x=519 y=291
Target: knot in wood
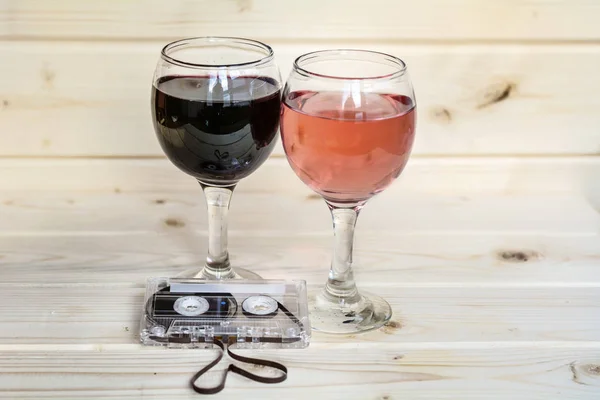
x=518 y=256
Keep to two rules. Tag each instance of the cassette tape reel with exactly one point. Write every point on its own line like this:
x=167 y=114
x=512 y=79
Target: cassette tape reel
x=192 y=313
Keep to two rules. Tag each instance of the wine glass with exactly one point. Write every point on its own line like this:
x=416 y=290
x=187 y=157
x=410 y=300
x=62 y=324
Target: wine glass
x=347 y=125
x=216 y=107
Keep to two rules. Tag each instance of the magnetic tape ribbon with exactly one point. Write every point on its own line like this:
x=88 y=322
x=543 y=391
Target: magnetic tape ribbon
x=237 y=370
x=234 y=368
x=240 y=371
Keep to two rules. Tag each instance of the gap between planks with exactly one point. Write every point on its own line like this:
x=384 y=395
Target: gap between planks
x=361 y=285
x=487 y=345
x=441 y=41
x=479 y=157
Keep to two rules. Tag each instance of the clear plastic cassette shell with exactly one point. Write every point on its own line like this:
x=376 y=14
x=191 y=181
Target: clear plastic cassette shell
x=192 y=313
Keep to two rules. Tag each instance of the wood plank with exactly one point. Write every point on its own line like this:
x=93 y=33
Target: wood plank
x=445 y=176
x=268 y=19
x=357 y=371
x=88 y=101
x=380 y=259
x=110 y=313
x=256 y=213
x=84 y=196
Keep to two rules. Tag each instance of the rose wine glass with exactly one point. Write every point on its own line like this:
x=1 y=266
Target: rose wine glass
x=348 y=125
x=216 y=106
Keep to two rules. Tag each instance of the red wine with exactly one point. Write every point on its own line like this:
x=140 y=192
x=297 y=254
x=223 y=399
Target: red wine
x=347 y=147
x=216 y=129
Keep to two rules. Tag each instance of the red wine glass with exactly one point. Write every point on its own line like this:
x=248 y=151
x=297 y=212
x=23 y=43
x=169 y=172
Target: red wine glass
x=216 y=107
x=347 y=125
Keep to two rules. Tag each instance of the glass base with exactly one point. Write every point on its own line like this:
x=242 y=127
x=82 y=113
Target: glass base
x=237 y=273
x=330 y=316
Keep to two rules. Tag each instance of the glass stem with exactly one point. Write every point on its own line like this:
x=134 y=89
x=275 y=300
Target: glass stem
x=340 y=286
x=217 y=262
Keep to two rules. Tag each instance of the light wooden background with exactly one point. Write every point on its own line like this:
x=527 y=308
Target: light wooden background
x=487 y=247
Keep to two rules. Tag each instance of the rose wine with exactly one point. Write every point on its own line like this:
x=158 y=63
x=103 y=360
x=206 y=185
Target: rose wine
x=345 y=146
x=216 y=129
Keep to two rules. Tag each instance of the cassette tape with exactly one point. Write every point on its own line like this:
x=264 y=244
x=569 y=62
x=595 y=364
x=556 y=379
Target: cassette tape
x=192 y=313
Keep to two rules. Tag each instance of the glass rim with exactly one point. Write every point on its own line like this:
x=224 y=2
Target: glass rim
x=320 y=53
x=216 y=39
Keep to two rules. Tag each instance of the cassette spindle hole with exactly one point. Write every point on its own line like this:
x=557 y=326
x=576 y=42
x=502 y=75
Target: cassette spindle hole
x=191 y=306
x=260 y=306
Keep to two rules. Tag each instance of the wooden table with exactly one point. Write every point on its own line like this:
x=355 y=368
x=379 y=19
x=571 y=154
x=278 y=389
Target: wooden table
x=492 y=269
x=487 y=247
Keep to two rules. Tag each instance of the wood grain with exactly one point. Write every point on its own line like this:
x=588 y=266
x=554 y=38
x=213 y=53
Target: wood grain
x=422 y=176
x=487 y=247
x=109 y=313
x=429 y=260
x=252 y=213
x=269 y=19
x=360 y=371
x=92 y=98
x=108 y=197
x=490 y=267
